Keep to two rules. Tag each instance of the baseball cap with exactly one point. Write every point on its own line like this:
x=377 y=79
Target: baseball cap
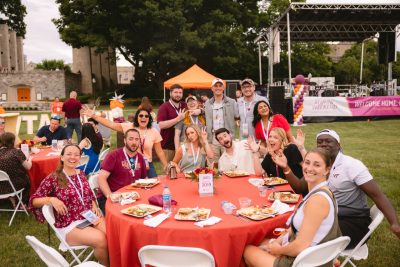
x=329 y=132
x=190 y=97
x=56 y=117
x=216 y=80
x=247 y=80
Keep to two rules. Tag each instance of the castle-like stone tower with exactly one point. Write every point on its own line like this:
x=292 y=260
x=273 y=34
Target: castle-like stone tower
x=11 y=49
x=98 y=70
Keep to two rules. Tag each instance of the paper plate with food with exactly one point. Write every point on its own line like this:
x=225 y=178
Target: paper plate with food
x=257 y=213
x=237 y=173
x=145 y=183
x=117 y=196
x=192 y=214
x=141 y=210
x=284 y=196
x=274 y=181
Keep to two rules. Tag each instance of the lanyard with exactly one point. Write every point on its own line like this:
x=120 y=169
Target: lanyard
x=194 y=121
x=129 y=162
x=195 y=157
x=277 y=170
x=76 y=189
x=176 y=110
x=246 y=110
x=265 y=132
x=142 y=141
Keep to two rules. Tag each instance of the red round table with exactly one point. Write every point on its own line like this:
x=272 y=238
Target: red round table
x=42 y=165
x=226 y=240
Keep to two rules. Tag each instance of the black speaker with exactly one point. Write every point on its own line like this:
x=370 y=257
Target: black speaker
x=386 y=47
x=289 y=110
x=277 y=99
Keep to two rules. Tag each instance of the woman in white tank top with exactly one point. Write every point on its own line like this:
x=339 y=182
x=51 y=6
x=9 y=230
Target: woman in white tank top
x=314 y=221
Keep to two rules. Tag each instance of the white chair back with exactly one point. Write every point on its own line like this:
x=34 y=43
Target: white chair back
x=102 y=156
x=93 y=181
x=163 y=256
x=321 y=253
x=83 y=161
x=14 y=193
x=47 y=254
x=52 y=257
x=361 y=250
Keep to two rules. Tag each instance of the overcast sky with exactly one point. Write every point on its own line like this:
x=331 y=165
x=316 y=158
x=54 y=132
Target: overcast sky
x=42 y=40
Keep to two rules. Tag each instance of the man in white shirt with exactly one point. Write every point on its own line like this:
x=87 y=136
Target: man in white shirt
x=235 y=157
x=246 y=105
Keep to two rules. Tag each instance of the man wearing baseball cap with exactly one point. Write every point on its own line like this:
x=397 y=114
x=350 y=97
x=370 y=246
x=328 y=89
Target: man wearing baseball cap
x=221 y=112
x=351 y=183
x=246 y=106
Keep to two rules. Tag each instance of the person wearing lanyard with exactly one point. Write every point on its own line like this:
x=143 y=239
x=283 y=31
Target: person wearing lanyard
x=221 y=112
x=150 y=137
x=246 y=107
x=314 y=222
x=68 y=191
x=194 y=152
x=121 y=167
x=264 y=121
x=189 y=118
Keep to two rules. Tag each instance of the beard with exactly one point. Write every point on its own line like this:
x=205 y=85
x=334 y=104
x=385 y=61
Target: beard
x=176 y=99
x=132 y=148
x=228 y=144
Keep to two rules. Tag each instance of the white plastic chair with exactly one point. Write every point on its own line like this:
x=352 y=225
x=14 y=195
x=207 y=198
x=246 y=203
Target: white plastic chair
x=322 y=253
x=102 y=156
x=94 y=184
x=18 y=194
x=52 y=257
x=48 y=214
x=83 y=162
x=360 y=252
x=168 y=256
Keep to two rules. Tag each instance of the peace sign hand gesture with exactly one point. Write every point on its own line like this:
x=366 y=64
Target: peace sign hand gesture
x=204 y=135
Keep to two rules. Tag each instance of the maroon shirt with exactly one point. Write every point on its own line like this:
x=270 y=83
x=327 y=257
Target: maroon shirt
x=71 y=108
x=167 y=112
x=120 y=169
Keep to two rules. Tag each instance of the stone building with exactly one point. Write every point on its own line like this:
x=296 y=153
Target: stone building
x=11 y=49
x=98 y=70
x=125 y=74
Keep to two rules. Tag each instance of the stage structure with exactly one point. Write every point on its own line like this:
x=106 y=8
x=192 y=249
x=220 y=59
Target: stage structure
x=304 y=22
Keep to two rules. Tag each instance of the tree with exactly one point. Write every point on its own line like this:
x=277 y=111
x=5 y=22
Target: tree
x=164 y=37
x=15 y=11
x=52 y=64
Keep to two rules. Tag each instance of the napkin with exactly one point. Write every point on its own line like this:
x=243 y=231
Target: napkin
x=210 y=221
x=256 y=181
x=126 y=201
x=156 y=220
x=54 y=154
x=280 y=207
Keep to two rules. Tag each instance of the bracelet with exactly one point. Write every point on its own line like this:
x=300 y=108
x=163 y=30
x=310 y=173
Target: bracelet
x=287 y=172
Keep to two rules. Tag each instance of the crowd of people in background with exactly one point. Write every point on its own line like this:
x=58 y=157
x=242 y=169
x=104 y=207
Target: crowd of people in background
x=199 y=132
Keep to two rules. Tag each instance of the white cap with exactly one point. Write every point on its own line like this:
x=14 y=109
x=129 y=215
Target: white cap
x=217 y=80
x=330 y=133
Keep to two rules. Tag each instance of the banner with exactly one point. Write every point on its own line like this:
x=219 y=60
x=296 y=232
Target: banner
x=351 y=106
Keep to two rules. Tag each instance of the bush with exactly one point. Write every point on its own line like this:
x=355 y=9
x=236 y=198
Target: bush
x=84 y=98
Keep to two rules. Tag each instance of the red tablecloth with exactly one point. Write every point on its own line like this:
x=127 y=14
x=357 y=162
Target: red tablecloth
x=42 y=165
x=225 y=240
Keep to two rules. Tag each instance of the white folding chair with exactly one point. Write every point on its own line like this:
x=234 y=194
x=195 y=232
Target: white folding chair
x=52 y=257
x=48 y=214
x=102 y=156
x=83 y=162
x=360 y=252
x=322 y=253
x=168 y=256
x=94 y=184
x=18 y=194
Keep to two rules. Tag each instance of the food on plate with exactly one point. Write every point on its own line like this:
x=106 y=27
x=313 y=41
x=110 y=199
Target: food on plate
x=203 y=214
x=185 y=211
x=150 y=182
x=236 y=173
x=257 y=213
x=284 y=196
x=274 y=181
x=192 y=214
x=116 y=197
x=141 y=210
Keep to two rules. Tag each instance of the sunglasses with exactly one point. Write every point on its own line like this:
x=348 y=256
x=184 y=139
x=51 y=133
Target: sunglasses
x=143 y=116
x=132 y=162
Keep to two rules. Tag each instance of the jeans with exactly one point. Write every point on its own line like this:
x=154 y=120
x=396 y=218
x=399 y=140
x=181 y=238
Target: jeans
x=152 y=171
x=74 y=124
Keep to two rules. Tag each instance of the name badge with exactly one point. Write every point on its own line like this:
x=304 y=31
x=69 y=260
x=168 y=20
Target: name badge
x=245 y=129
x=91 y=217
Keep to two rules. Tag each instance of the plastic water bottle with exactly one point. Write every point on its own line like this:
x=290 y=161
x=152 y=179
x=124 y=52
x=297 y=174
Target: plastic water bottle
x=166 y=196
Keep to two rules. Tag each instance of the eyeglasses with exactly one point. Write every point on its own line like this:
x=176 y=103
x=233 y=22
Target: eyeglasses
x=132 y=162
x=143 y=116
x=2 y=122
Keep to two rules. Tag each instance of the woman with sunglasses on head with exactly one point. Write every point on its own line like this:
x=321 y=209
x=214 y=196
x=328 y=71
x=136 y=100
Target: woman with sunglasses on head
x=67 y=190
x=314 y=222
x=91 y=145
x=264 y=121
x=149 y=136
x=194 y=152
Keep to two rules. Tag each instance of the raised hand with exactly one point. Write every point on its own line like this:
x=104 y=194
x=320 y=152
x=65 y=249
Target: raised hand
x=300 y=138
x=279 y=159
x=195 y=112
x=87 y=111
x=181 y=114
x=204 y=134
x=252 y=145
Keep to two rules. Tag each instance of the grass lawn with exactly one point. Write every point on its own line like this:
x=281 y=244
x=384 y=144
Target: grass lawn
x=376 y=143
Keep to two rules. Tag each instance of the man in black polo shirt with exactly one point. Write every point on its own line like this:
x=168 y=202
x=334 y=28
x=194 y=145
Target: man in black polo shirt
x=51 y=132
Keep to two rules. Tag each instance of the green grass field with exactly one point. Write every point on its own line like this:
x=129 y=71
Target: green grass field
x=376 y=143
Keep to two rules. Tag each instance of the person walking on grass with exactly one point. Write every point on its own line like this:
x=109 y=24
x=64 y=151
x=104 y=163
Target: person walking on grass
x=72 y=115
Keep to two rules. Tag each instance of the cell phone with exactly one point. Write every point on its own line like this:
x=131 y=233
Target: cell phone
x=84 y=224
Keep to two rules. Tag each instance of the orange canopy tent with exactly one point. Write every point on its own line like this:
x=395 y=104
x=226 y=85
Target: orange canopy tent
x=194 y=77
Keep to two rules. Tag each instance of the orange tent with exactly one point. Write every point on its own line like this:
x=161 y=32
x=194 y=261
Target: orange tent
x=194 y=77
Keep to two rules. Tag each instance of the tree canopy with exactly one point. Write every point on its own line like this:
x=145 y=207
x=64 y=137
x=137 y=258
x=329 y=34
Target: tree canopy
x=15 y=12
x=52 y=64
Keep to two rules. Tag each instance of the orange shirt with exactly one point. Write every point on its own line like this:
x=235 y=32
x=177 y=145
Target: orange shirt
x=56 y=107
